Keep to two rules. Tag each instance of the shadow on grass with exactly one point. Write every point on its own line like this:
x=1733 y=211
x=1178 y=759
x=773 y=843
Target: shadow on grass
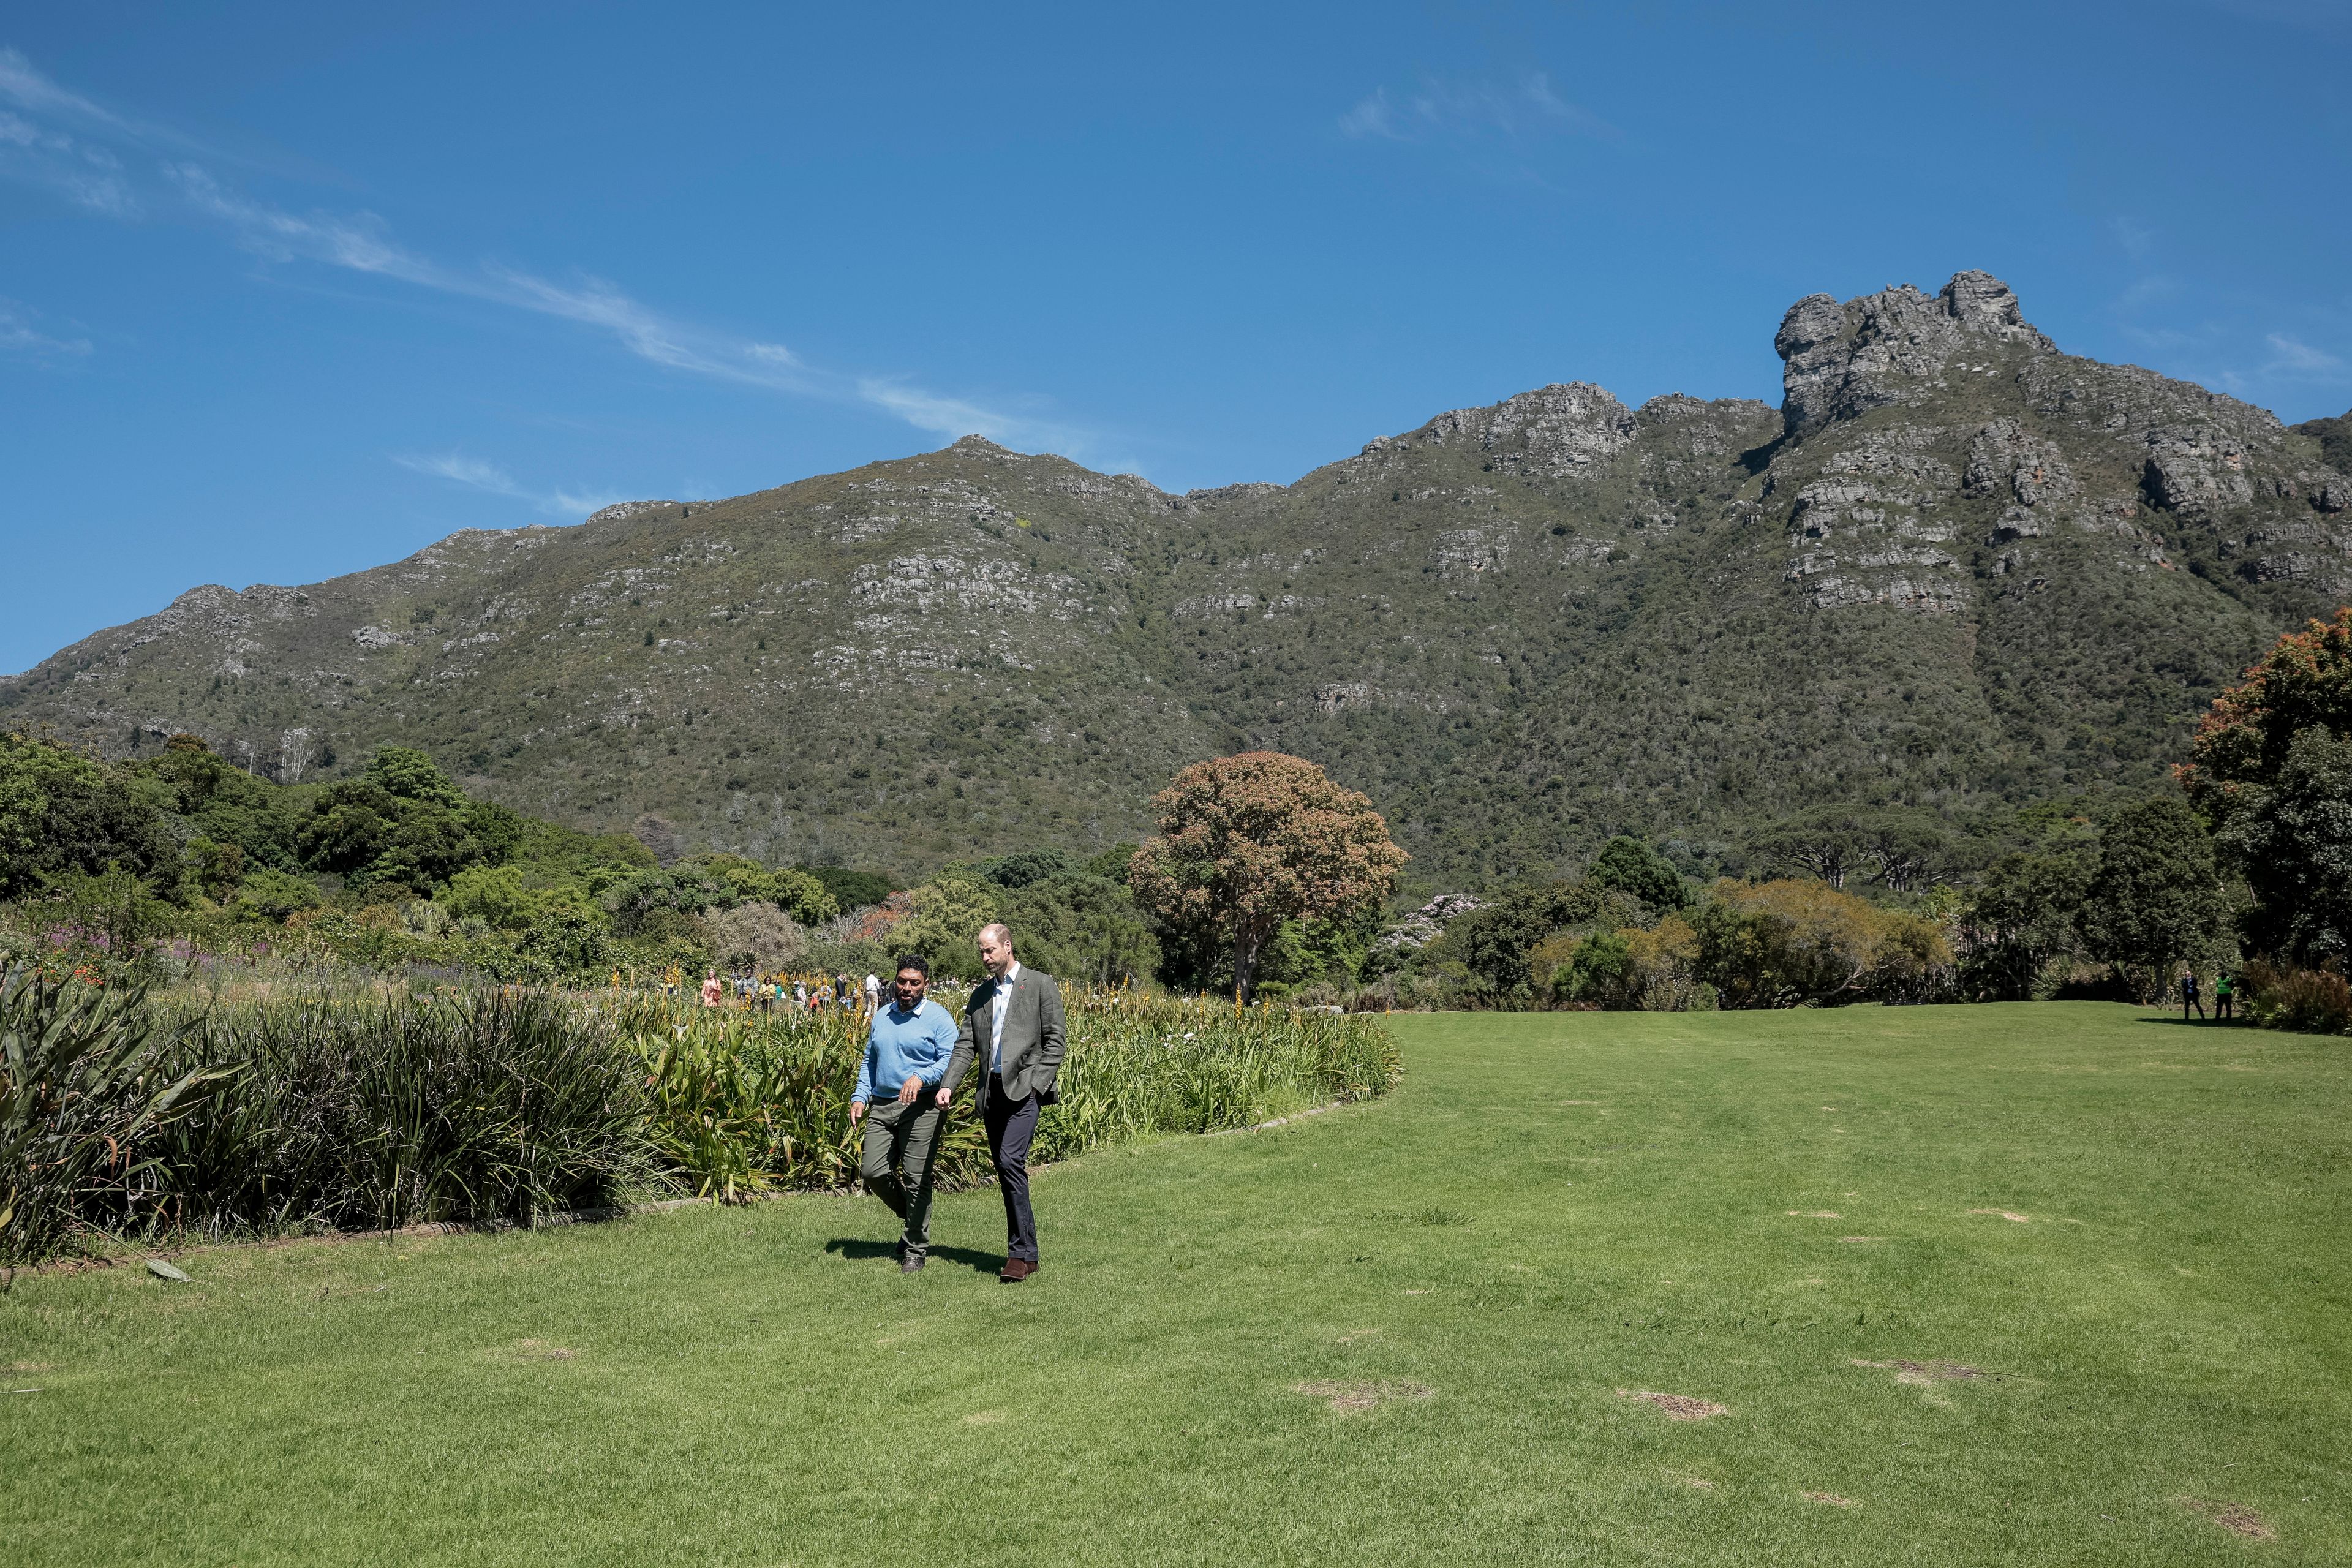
x=859 y=1247
x=2202 y=1023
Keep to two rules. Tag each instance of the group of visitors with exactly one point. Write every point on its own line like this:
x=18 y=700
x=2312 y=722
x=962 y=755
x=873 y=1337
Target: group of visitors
x=779 y=991
x=916 y=1057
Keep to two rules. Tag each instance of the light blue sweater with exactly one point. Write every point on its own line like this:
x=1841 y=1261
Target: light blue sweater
x=903 y=1045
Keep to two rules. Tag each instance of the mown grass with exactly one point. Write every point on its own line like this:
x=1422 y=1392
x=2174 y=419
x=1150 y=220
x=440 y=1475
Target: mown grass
x=1551 y=1208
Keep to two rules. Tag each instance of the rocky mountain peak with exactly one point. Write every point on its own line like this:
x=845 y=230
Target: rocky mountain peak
x=1555 y=431
x=1839 y=360
x=620 y=511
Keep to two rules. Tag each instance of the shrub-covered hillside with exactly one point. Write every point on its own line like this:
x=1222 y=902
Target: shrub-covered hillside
x=1957 y=570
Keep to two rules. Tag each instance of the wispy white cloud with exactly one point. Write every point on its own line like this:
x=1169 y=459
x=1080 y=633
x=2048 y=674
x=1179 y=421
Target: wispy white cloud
x=477 y=474
x=20 y=338
x=87 y=176
x=960 y=416
x=2225 y=350
x=1520 y=109
x=357 y=241
x=34 y=150
x=2289 y=357
x=592 y=302
x=29 y=89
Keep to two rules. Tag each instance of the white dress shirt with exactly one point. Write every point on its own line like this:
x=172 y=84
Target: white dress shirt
x=997 y=1024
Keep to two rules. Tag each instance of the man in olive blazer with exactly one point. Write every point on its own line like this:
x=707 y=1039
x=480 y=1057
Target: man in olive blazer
x=1013 y=1022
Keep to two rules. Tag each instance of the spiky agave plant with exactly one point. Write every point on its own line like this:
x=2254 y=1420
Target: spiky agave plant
x=82 y=1087
x=379 y=1110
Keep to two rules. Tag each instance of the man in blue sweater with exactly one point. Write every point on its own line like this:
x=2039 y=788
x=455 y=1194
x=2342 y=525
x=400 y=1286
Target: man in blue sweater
x=906 y=1054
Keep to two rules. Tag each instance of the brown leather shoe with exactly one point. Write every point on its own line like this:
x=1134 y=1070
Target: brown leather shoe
x=1016 y=1269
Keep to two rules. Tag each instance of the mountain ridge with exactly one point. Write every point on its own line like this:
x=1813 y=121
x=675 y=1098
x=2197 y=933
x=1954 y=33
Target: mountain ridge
x=1956 y=568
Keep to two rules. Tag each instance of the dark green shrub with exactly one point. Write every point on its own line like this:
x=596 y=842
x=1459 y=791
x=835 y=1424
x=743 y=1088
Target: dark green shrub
x=2314 y=1001
x=385 y=1112
x=83 y=1087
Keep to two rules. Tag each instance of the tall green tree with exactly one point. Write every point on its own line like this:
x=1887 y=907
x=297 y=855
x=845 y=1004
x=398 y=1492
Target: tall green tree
x=944 y=922
x=2304 y=681
x=1633 y=866
x=62 y=812
x=2272 y=769
x=1495 y=942
x=2156 y=900
x=2021 y=917
x=1081 y=928
x=2293 y=840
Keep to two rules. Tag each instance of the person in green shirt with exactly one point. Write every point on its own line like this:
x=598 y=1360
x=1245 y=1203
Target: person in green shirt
x=2225 y=988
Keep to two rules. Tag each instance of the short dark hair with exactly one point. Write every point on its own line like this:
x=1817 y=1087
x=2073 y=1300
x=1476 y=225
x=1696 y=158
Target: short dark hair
x=915 y=962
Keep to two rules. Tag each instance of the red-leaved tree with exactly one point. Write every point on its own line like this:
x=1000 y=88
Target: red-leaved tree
x=1249 y=841
x=2304 y=682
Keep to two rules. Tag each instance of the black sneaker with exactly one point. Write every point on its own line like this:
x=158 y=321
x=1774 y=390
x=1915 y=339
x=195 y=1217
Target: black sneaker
x=910 y=1265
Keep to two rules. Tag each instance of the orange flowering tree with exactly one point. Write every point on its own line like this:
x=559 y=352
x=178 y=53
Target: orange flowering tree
x=2304 y=682
x=1247 y=842
x=2272 y=771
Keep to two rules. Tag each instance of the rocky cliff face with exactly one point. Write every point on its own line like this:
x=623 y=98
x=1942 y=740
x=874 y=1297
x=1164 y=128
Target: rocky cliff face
x=1956 y=565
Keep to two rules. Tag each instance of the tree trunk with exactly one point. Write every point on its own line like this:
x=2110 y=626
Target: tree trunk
x=1247 y=945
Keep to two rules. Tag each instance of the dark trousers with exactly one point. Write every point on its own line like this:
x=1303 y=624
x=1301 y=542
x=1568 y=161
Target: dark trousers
x=900 y=1140
x=2221 y=1005
x=1011 y=1125
x=2188 y=1000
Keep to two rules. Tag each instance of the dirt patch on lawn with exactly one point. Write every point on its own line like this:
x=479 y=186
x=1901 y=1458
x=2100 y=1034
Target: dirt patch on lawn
x=2235 y=1518
x=1354 y=1398
x=539 y=1349
x=1862 y=1238
x=1928 y=1373
x=1830 y=1498
x=2010 y=1215
x=1815 y=1213
x=1677 y=1406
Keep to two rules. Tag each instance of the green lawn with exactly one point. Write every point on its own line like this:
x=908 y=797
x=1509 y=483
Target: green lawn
x=1552 y=1209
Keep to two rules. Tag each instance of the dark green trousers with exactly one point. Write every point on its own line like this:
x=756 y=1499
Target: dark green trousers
x=895 y=1163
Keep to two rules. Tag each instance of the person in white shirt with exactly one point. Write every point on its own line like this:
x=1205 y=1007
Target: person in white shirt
x=1015 y=1019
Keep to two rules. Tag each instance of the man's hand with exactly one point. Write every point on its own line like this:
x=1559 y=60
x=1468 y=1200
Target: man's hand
x=910 y=1089
x=943 y=1097
x=856 y=1109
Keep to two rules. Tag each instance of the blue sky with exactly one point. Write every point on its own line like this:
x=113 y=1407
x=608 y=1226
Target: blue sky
x=290 y=290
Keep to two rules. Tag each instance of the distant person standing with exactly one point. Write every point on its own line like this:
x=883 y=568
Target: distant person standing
x=710 y=989
x=800 y=995
x=907 y=1051
x=2225 y=992
x=873 y=994
x=2189 y=995
x=1013 y=1020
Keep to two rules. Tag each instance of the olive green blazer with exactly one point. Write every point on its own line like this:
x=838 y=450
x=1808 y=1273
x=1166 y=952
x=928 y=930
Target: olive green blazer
x=1033 y=1037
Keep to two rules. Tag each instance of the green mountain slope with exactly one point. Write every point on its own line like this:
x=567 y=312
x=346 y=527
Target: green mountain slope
x=1957 y=567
